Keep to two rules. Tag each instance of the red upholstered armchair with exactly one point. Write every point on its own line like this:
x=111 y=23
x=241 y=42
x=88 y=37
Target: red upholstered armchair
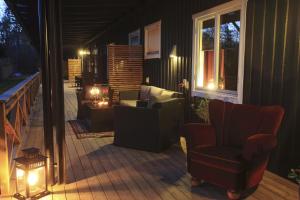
x=232 y=152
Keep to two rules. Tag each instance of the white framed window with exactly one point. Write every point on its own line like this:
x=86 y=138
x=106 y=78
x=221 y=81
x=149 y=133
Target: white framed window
x=218 y=52
x=152 y=40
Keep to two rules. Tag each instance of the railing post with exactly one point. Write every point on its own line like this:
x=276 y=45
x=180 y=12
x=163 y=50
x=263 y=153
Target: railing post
x=4 y=164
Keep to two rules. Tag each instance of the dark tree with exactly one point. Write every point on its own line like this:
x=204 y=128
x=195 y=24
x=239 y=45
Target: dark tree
x=10 y=29
x=15 y=45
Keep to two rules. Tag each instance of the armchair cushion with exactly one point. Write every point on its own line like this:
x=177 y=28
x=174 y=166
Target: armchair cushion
x=130 y=103
x=128 y=95
x=258 y=145
x=222 y=158
x=199 y=134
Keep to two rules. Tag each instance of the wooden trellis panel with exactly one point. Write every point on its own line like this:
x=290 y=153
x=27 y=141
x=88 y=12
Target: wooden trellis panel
x=74 y=69
x=125 y=68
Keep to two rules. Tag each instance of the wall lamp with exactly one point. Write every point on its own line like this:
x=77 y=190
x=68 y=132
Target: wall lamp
x=173 y=53
x=82 y=52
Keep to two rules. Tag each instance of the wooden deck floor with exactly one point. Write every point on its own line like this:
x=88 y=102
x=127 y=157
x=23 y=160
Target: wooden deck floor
x=96 y=169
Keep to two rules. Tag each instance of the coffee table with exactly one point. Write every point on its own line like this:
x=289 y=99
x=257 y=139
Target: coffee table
x=99 y=118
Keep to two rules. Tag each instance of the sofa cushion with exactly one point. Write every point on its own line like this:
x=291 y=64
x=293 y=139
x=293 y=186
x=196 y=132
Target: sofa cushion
x=145 y=92
x=223 y=158
x=131 y=103
x=157 y=99
x=170 y=94
x=156 y=91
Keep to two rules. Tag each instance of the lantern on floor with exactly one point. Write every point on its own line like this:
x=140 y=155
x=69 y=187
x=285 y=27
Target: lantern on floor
x=31 y=175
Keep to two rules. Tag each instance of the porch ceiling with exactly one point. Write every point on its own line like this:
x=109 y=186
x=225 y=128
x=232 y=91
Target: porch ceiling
x=83 y=20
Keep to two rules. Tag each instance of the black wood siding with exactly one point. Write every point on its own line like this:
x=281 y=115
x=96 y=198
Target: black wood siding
x=271 y=58
x=176 y=29
x=272 y=74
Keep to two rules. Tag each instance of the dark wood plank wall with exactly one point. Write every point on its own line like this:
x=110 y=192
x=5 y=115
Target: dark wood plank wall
x=272 y=70
x=176 y=29
x=271 y=58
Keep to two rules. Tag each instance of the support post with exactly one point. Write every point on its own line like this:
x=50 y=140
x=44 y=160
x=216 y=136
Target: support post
x=60 y=126
x=4 y=163
x=52 y=57
x=46 y=87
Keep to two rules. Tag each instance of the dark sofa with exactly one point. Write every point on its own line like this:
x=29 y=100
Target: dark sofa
x=153 y=127
x=146 y=93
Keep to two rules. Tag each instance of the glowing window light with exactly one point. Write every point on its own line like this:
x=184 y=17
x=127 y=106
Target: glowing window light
x=200 y=75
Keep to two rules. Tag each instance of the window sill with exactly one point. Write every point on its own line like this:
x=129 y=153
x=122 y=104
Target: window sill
x=227 y=96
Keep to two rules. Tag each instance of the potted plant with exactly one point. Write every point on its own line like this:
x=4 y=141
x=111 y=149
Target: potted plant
x=200 y=107
x=294 y=175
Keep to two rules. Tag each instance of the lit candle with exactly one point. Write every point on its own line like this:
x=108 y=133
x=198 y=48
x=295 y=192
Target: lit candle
x=211 y=85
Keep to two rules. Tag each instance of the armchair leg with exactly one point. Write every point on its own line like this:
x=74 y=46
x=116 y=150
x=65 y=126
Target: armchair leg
x=196 y=182
x=233 y=195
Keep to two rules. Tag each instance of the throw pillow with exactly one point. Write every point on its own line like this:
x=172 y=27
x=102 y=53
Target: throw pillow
x=145 y=92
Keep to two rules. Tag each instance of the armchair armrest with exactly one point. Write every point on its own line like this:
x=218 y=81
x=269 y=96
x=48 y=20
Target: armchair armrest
x=199 y=134
x=129 y=95
x=258 y=145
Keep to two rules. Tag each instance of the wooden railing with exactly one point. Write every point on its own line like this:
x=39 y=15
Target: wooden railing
x=15 y=107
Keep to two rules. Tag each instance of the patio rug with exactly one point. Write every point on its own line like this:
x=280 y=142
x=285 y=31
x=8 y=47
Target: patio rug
x=81 y=130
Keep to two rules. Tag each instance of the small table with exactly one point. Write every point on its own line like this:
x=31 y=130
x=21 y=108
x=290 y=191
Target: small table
x=99 y=118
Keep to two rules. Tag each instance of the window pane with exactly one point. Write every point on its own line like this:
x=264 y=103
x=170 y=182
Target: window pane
x=206 y=69
x=229 y=50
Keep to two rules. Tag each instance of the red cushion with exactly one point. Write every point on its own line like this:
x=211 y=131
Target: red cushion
x=199 y=134
x=224 y=158
x=243 y=121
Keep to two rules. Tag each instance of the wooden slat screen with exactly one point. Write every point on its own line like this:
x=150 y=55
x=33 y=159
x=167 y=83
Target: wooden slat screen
x=74 y=69
x=125 y=68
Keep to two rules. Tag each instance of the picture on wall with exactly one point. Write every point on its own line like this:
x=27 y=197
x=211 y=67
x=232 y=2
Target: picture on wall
x=153 y=40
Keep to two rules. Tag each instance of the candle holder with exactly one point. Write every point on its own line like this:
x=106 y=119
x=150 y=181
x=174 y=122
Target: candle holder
x=95 y=94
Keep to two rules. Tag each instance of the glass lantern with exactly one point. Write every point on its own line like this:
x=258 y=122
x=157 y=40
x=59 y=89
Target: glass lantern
x=31 y=175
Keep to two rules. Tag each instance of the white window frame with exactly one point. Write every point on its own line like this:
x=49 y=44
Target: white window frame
x=216 y=12
x=147 y=53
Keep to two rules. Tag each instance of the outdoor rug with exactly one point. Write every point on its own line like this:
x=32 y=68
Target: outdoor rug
x=81 y=130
